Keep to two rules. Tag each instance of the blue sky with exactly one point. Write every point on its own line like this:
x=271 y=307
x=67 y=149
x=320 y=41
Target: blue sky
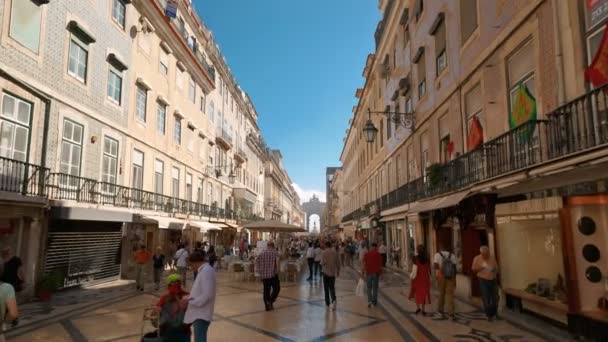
x=300 y=61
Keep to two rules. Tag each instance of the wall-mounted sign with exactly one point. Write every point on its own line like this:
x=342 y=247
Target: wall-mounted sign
x=596 y=12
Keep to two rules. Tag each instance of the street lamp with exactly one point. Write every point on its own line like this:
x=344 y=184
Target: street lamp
x=231 y=177
x=405 y=119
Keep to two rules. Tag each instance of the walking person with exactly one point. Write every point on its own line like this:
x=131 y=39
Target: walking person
x=181 y=261
x=310 y=257
x=331 y=270
x=202 y=297
x=486 y=268
x=8 y=304
x=267 y=264
x=342 y=249
x=158 y=263
x=318 y=252
x=421 y=280
x=362 y=251
x=383 y=253
x=445 y=265
x=141 y=258
x=372 y=269
x=13 y=270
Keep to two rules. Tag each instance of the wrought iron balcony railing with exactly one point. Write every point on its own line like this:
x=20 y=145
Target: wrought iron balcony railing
x=223 y=137
x=22 y=178
x=580 y=125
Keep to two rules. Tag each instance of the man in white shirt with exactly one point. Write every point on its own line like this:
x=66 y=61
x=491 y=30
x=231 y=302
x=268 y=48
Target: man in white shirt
x=383 y=253
x=181 y=258
x=444 y=263
x=202 y=298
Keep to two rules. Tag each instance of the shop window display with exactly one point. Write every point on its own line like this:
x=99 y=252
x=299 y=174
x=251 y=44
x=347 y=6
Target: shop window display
x=532 y=261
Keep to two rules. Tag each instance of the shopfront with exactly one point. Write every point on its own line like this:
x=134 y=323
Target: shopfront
x=530 y=253
x=84 y=251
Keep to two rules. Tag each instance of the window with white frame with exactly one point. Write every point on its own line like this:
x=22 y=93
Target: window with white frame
x=199 y=191
x=163 y=65
x=192 y=90
x=141 y=103
x=114 y=84
x=189 y=186
x=161 y=117
x=137 y=176
x=109 y=164
x=521 y=71
x=71 y=151
x=440 y=48
x=421 y=64
x=25 y=23
x=159 y=176
x=118 y=12
x=78 y=58
x=175 y=182
x=473 y=106
x=411 y=164
x=179 y=78
x=424 y=153
x=211 y=111
x=444 y=139
x=177 y=131
x=15 y=121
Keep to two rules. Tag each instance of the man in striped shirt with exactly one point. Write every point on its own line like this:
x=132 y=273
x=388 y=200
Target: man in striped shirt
x=267 y=265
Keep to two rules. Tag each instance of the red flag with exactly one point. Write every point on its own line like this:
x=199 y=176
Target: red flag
x=475 y=138
x=597 y=72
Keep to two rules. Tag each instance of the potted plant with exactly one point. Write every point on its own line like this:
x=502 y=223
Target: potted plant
x=48 y=284
x=433 y=174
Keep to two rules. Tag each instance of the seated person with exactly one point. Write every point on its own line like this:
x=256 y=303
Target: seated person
x=172 y=307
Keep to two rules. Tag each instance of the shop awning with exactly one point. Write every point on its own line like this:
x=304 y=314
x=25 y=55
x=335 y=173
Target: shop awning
x=91 y=214
x=206 y=226
x=398 y=210
x=438 y=203
x=167 y=222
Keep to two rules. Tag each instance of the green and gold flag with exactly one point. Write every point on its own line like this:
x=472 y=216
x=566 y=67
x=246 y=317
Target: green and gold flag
x=524 y=110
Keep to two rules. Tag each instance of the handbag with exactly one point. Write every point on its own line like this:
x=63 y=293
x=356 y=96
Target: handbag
x=360 y=290
x=414 y=272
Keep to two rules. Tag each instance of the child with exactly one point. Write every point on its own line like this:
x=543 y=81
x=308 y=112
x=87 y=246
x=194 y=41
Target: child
x=172 y=307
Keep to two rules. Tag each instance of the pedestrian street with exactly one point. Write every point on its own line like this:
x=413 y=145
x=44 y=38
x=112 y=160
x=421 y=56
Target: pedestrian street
x=113 y=312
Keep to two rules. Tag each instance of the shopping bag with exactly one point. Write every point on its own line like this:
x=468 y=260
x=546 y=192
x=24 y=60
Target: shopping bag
x=360 y=290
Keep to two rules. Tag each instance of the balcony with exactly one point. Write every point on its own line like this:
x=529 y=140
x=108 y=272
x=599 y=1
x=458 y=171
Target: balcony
x=223 y=138
x=239 y=155
x=382 y=25
x=22 y=178
x=577 y=127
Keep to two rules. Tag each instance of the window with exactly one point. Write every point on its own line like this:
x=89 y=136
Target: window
x=71 y=151
x=25 y=23
x=78 y=58
x=440 y=48
x=203 y=105
x=14 y=128
x=179 y=79
x=137 y=178
x=177 y=131
x=468 y=19
x=114 y=85
x=411 y=164
x=389 y=175
x=419 y=9
x=444 y=139
x=199 y=191
x=424 y=153
x=175 y=182
x=161 y=117
x=159 y=176
x=189 y=186
x=408 y=105
x=211 y=110
x=381 y=133
x=163 y=62
x=421 y=76
x=118 y=12
x=141 y=103
x=109 y=162
x=398 y=171
x=473 y=106
x=192 y=91
x=389 y=127
x=521 y=70
x=219 y=119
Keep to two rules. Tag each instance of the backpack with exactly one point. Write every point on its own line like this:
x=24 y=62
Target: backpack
x=448 y=268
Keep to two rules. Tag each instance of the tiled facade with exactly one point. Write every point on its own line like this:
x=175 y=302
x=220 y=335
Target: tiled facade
x=442 y=63
x=98 y=159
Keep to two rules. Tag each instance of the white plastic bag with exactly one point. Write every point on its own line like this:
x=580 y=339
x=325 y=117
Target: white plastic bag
x=360 y=290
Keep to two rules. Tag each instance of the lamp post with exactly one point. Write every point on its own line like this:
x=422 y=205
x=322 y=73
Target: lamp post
x=370 y=131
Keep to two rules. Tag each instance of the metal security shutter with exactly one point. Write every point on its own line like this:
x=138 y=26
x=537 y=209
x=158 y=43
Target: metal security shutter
x=84 y=257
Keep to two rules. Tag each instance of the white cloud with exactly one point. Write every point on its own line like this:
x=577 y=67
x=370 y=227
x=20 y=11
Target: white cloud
x=306 y=194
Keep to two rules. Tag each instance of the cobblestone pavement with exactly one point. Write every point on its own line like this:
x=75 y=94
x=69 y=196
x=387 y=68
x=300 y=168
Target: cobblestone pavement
x=113 y=312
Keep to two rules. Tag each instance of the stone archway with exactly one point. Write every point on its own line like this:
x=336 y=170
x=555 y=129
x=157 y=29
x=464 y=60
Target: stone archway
x=314 y=207
x=314 y=223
